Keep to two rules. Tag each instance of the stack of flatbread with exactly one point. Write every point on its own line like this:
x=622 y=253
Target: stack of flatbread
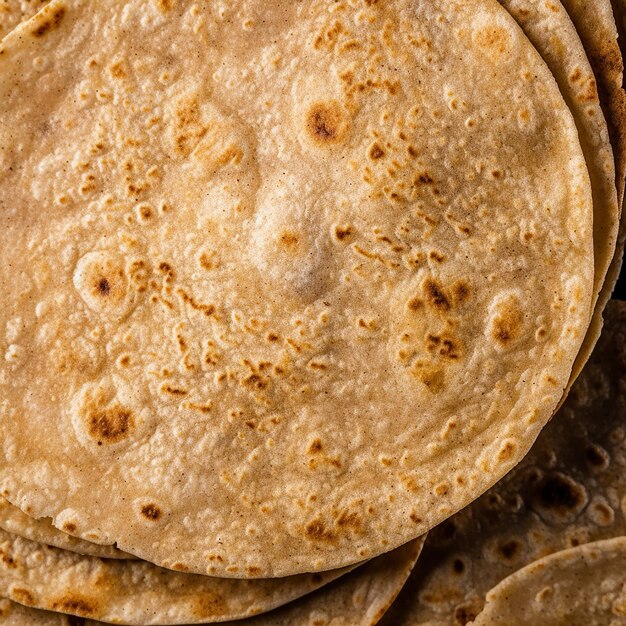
x=302 y=309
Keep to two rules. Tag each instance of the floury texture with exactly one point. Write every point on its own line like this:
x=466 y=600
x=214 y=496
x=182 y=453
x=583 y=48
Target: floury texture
x=208 y=286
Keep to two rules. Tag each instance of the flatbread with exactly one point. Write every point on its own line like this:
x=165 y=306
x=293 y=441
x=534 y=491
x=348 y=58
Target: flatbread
x=14 y=521
x=12 y=12
x=552 y=32
x=194 y=272
x=356 y=599
x=569 y=490
x=597 y=28
x=136 y=592
x=583 y=586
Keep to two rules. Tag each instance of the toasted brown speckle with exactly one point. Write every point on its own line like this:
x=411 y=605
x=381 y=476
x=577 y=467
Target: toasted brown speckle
x=325 y=123
x=72 y=603
x=151 y=512
x=435 y=295
x=317 y=531
x=50 y=22
x=111 y=424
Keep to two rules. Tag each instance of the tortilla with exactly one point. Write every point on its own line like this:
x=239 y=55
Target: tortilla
x=550 y=30
x=14 y=521
x=194 y=272
x=583 y=586
x=358 y=598
x=12 y=12
x=569 y=490
x=598 y=31
x=136 y=592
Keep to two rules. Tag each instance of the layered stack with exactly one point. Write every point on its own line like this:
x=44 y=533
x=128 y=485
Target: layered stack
x=288 y=285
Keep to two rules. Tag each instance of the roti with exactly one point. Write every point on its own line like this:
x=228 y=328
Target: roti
x=12 y=12
x=583 y=586
x=569 y=490
x=221 y=229
x=357 y=599
x=136 y=592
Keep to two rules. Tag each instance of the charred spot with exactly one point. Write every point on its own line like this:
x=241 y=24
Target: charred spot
x=415 y=518
x=458 y=566
x=560 y=494
x=596 y=456
x=425 y=178
x=509 y=550
x=325 y=123
x=464 y=615
x=255 y=381
x=76 y=604
x=151 y=512
x=273 y=337
x=104 y=287
x=435 y=295
x=436 y=256
x=110 y=425
x=50 y=23
x=376 y=152
x=342 y=233
x=317 y=531
x=8 y=560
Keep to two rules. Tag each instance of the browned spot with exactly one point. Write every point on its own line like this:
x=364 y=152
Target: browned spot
x=560 y=495
x=509 y=550
x=165 y=5
x=458 y=566
x=465 y=614
x=273 y=337
x=117 y=70
x=507 y=325
x=431 y=377
x=596 y=456
x=207 y=309
x=415 y=304
x=173 y=391
x=255 y=381
x=23 y=596
x=342 y=233
x=111 y=424
x=349 y=520
x=180 y=567
x=209 y=605
x=317 y=531
x=443 y=345
x=506 y=452
x=493 y=39
x=436 y=256
x=253 y=571
x=289 y=240
x=575 y=75
x=460 y=291
x=151 y=512
x=325 y=123
x=8 y=560
x=415 y=518
x=412 y=152
x=103 y=287
x=51 y=22
x=69 y=527
x=435 y=295
x=425 y=178
x=376 y=152
x=73 y=603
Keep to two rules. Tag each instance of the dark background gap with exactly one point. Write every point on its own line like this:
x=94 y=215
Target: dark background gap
x=620 y=288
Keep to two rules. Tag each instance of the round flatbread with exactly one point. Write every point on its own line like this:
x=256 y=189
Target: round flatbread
x=357 y=599
x=584 y=586
x=137 y=592
x=569 y=490
x=227 y=229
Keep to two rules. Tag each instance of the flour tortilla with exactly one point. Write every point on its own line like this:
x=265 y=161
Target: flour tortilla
x=552 y=32
x=569 y=490
x=357 y=599
x=136 y=592
x=583 y=586
x=597 y=28
x=197 y=271
x=12 y=12
x=14 y=521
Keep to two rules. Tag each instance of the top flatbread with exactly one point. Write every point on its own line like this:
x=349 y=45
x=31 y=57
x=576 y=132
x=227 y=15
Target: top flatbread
x=12 y=12
x=282 y=297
